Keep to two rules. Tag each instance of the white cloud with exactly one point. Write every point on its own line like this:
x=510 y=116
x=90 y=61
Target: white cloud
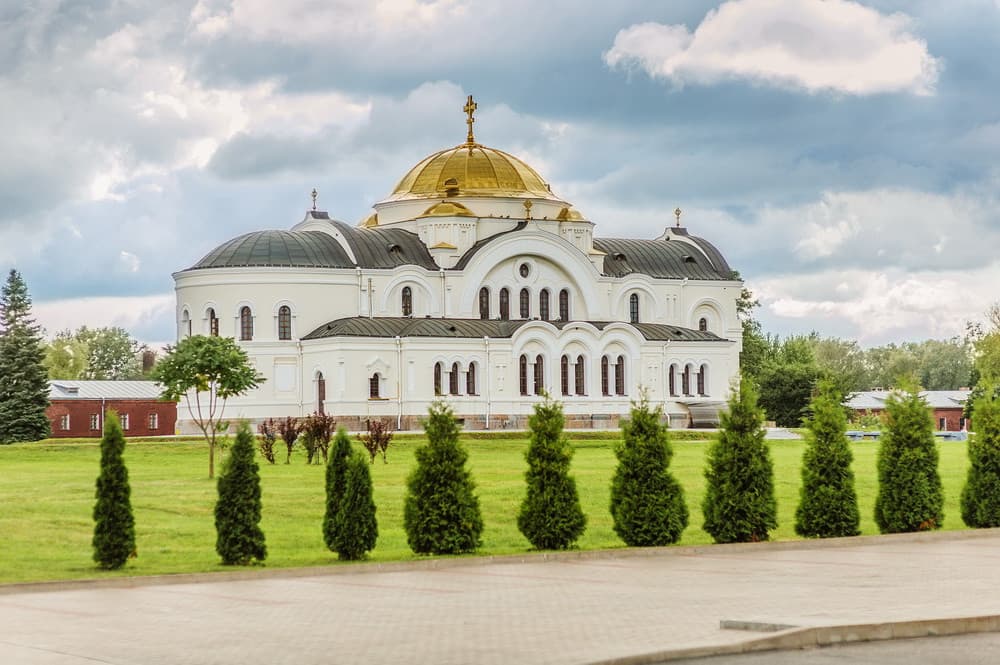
x=815 y=45
x=134 y=313
x=129 y=261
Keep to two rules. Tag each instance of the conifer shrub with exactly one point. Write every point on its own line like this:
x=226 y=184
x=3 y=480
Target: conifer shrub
x=647 y=502
x=24 y=381
x=336 y=478
x=739 y=504
x=357 y=528
x=981 y=494
x=114 y=525
x=910 y=496
x=550 y=517
x=828 y=505
x=441 y=514
x=239 y=538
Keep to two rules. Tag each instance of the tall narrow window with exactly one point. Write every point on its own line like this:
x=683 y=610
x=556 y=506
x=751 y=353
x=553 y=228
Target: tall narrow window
x=437 y=379
x=701 y=380
x=564 y=374
x=124 y=419
x=284 y=322
x=605 y=386
x=407 y=304
x=213 y=322
x=564 y=305
x=672 y=380
x=484 y=303
x=453 y=379
x=539 y=374
x=320 y=393
x=185 y=323
x=154 y=421
x=525 y=304
x=470 y=380
x=543 y=305
x=580 y=376
x=504 y=304
x=686 y=380
x=246 y=324
x=373 y=386
x=95 y=421
x=522 y=364
x=633 y=308
x=703 y=324
x=64 y=422
x=620 y=376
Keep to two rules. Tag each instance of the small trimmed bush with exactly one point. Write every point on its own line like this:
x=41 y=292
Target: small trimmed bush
x=981 y=494
x=357 y=529
x=114 y=525
x=239 y=539
x=336 y=479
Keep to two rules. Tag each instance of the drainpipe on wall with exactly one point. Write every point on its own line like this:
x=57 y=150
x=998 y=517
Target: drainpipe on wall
x=489 y=386
x=371 y=298
x=444 y=295
x=359 y=289
x=399 y=383
x=298 y=346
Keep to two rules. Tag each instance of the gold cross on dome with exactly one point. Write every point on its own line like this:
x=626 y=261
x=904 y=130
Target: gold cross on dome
x=470 y=108
x=677 y=214
x=314 y=195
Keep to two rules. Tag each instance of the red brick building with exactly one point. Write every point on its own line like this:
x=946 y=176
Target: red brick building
x=77 y=408
x=947 y=406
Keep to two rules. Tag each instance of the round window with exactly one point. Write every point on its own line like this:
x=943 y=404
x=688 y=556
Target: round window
x=524 y=270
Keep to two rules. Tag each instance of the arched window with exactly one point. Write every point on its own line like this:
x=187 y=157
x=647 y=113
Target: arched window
x=470 y=380
x=246 y=324
x=580 y=376
x=453 y=379
x=213 y=322
x=564 y=374
x=539 y=374
x=702 y=371
x=525 y=304
x=686 y=380
x=437 y=379
x=185 y=324
x=523 y=375
x=703 y=324
x=284 y=322
x=564 y=305
x=605 y=386
x=672 y=380
x=373 y=386
x=543 y=305
x=504 y=303
x=320 y=392
x=484 y=303
x=620 y=376
x=407 y=301
x=633 y=308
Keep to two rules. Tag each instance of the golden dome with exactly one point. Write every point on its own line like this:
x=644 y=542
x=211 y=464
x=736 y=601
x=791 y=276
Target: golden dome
x=471 y=169
x=448 y=209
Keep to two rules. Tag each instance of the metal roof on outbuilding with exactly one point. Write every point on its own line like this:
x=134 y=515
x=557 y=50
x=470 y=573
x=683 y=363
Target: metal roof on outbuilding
x=117 y=390
x=936 y=399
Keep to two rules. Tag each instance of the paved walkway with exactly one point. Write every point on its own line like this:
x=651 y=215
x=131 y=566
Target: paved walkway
x=575 y=608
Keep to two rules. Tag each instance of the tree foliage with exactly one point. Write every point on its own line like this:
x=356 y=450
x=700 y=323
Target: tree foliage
x=981 y=494
x=910 y=497
x=205 y=372
x=377 y=438
x=239 y=538
x=550 y=517
x=114 y=525
x=108 y=354
x=289 y=430
x=315 y=433
x=739 y=504
x=787 y=381
x=336 y=478
x=268 y=431
x=24 y=386
x=828 y=507
x=647 y=502
x=441 y=514
x=357 y=528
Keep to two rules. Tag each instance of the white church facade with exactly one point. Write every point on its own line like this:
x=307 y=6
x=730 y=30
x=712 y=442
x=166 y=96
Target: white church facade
x=472 y=282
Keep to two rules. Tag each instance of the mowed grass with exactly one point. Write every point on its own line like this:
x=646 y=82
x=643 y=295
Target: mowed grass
x=47 y=495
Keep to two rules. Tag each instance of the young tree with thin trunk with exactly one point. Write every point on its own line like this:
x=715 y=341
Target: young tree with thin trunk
x=114 y=525
x=24 y=384
x=981 y=494
x=239 y=539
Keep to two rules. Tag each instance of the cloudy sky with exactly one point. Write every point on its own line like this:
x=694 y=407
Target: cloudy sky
x=843 y=155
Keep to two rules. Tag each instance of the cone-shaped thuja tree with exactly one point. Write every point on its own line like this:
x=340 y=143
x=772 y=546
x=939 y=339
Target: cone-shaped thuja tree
x=647 y=503
x=551 y=517
x=739 y=504
x=24 y=384
x=828 y=505
x=441 y=514
x=910 y=497
x=336 y=478
x=239 y=539
x=114 y=525
x=981 y=494
x=357 y=529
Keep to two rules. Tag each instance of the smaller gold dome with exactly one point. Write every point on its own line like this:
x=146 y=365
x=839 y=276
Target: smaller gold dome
x=371 y=221
x=448 y=209
x=569 y=215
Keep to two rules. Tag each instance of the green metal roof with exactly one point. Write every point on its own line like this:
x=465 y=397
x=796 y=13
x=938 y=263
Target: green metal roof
x=664 y=259
x=289 y=249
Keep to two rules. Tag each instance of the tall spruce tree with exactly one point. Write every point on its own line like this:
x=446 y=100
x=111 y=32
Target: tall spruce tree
x=551 y=517
x=24 y=385
x=647 y=503
x=910 y=497
x=357 y=528
x=739 y=504
x=239 y=539
x=981 y=494
x=336 y=478
x=441 y=513
x=828 y=505
x=114 y=525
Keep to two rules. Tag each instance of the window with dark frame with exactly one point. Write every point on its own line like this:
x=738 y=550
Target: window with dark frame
x=543 y=305
x=701 y=381
x=470 y=380
x=703 y=324
x=564 y=374
x=504 y=304
x=484 y=303
x=95 y=421
x=437 y=378
x=154 y=421
x=672 y=380
x=605 y=387
x=564 y=305
x=539 y=374
x=125 y=423
x=284 y=322
x=373 y=386
x=453 y=379
x=320 y=393
x=580 y=376
x=64 y=422
x=213 y=323
x=246 y=324
x=522 y=365
x=525 y=304
x=407 y=303
x=686 y=381
x=633 y=308
x=620 y=376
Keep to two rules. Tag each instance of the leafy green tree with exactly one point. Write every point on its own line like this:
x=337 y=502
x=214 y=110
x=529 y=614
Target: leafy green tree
x=114 y=525
x=739 y=504
x=945 y=364
x=357 y=528
x=550 y=517
x=910 y=497
x=113 y=354
x=211 y=369
x=24 y=385
x=66 y=357
x=756 y=345
x=981 y=494
x=841 y=361
x=441 y=514
x=336 y=478
x=828 y=507
x=785 y=390
x=647 y=502
x=239 y=538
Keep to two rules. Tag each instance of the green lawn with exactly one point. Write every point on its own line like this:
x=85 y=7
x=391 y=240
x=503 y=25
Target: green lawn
x=47 y=494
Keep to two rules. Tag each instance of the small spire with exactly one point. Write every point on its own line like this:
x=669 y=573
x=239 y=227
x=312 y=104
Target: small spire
x=470 y=109
x=314 y=195
x=527 y=209
x=677 y=214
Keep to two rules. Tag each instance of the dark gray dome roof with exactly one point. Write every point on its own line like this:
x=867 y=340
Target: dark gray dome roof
x=663 y=258
x=288 y=249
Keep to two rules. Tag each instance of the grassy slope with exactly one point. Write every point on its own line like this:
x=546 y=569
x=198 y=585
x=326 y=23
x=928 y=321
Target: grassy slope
x=47 y=494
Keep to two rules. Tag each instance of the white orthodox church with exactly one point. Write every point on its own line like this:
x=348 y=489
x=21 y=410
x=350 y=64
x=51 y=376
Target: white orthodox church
x=472 y=282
